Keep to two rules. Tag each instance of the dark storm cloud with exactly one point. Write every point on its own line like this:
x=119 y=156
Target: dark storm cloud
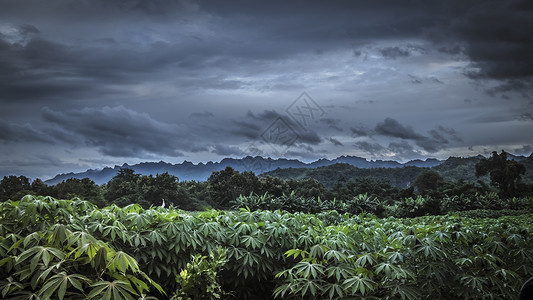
x=196 y=55
x=395 y=150
x=373 y=148
x=494 y=34
x=455 y=49
x=336 y=142
x=442 y=133
x=204 y=114
x=438 y=138
x=38 y=70
x=394 y=52
x=498 y=37
x=521 y=86
x=392 y=128
x=360 y=131
x=152 y=7
x=415 y=79
x=432 y=145
x=256 y=124
x=332 y=123
x=246 y=129
x=402 y=149
x=309 y=137
x=10 y=132
x=225 y=150
x=257 y=32
x=419 y=80
x=27 y=29
x=118 y=131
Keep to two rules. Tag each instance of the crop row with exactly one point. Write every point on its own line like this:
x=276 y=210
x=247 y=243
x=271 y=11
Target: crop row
x=70 y=249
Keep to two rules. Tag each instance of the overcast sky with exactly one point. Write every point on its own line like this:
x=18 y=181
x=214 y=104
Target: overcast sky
x=87 y=84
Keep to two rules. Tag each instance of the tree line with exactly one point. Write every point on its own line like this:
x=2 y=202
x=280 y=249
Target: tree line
x=224 y=187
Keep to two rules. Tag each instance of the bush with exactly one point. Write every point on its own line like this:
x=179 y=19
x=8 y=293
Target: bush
x=199 y=279
x=71 y=249
x=488 y=213
x=419 y=206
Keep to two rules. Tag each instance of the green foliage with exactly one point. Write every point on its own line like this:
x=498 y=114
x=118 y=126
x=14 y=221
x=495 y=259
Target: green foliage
x=274 y=186
x=123 y=189
x=458 y=169
x=490 y=213
x=71 y=249
x=193 y=195
x=504 y=174
x=428 y=182
x=13 y=187
x=82 y=188
x=293 y=203
x=330 y=175
x=199 y=279
x=430 y=258
x=363 y=203
x=38 y=187
x=226 y=185
x=153 y=190
x=309 y=188
x=127 y=188
x=377 y=188
x=419 y=206
x=46 y=254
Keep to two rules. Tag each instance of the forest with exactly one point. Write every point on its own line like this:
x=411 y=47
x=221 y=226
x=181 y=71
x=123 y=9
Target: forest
x=242 y=236
x=498 y=184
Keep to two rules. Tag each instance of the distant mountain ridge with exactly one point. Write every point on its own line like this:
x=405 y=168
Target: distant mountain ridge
x=187 y=171
x=451 y=168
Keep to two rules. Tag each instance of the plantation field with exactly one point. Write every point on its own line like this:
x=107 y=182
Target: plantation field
x=71 y=249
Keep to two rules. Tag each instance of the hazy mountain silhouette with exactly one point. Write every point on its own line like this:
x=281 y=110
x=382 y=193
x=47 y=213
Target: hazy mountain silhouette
x=188 y=171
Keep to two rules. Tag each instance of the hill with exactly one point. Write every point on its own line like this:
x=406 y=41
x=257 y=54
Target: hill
x=188 y=171
x=325 y=170
x=329 y=175
x=454 y=168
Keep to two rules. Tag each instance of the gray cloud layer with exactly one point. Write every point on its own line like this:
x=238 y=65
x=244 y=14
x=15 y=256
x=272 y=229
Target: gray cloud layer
x=183 y=78
x=494 y=35
x=437 y=139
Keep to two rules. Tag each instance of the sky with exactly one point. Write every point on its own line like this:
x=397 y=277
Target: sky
x=88 y=84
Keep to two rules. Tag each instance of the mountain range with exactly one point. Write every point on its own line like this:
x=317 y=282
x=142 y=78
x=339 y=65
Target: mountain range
x=187 y=171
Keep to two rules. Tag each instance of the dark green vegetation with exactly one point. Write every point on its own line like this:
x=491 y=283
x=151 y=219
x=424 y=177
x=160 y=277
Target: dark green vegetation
x=454 y=170
x=504 y=174
x=71 y=249
x=330 y=234
x=406 y=208
x=456 y=178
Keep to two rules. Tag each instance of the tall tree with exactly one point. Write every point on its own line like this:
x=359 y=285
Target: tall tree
x=274 y=186
x=194 y=195
x=85 y=189
x=428 y=182
x=38 y=187
x=123 y=189
x=226 y=185
x=308 y=188
x=504 y=173
x=13 y=187
x=156 y=189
